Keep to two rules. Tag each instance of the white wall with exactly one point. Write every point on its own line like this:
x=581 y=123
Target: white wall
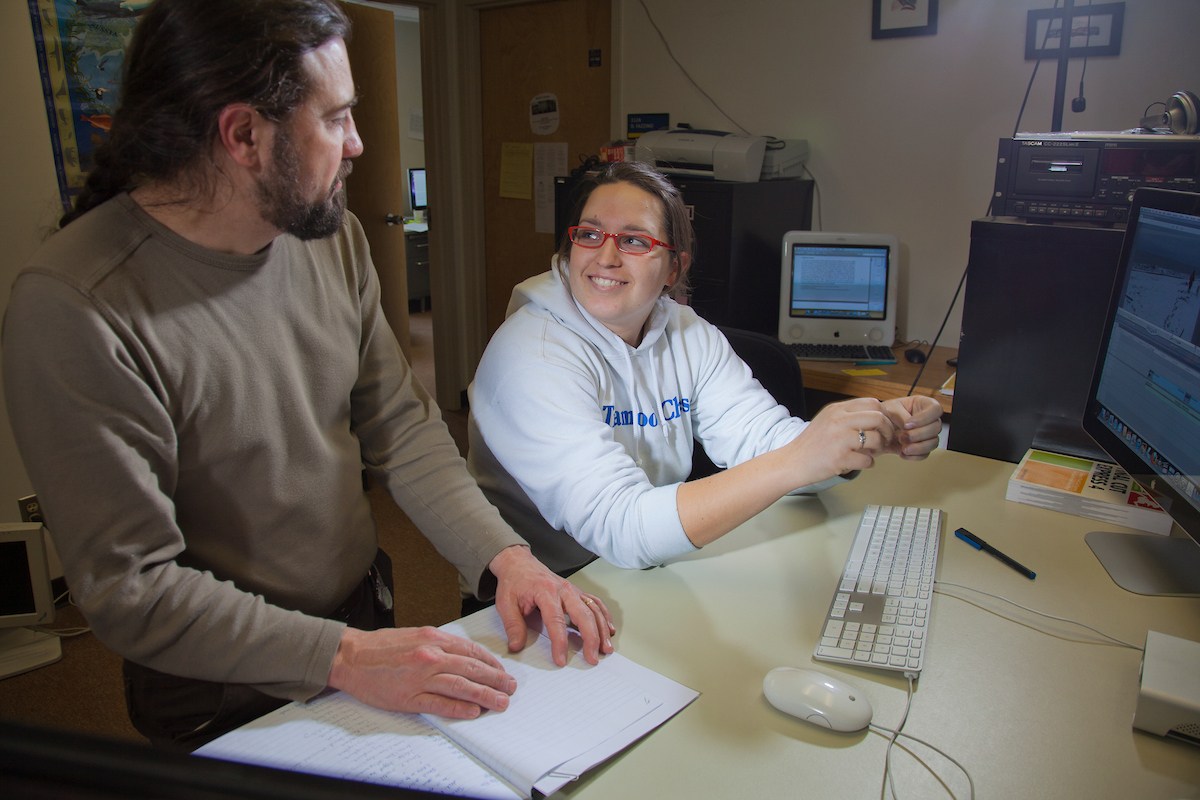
x=903 y=132
x=29 y=204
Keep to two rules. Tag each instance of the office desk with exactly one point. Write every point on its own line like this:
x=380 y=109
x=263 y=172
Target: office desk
x=1030 y=712
x=830 y=376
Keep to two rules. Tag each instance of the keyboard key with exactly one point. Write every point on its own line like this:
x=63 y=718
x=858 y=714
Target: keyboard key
x=835 y=652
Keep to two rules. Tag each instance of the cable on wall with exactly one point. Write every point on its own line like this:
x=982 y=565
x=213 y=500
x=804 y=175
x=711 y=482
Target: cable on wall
x=682 y=69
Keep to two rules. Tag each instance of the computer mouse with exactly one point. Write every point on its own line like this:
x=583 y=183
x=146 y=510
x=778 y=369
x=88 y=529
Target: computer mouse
x=817 y=698
x=914 y=356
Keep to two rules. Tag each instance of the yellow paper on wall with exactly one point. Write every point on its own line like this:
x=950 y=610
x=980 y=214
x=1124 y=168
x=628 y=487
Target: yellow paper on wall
x=516 y=170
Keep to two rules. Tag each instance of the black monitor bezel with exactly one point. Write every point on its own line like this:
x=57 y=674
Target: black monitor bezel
x=1185 y=515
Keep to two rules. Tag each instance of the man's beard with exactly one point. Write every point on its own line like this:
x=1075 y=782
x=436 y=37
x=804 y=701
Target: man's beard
x=280 y=200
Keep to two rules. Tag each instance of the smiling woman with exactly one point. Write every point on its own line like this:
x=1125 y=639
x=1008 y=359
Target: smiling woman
x=618 y=277
x=590 y=397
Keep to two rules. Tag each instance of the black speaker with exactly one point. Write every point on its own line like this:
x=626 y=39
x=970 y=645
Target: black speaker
x=1033 y=314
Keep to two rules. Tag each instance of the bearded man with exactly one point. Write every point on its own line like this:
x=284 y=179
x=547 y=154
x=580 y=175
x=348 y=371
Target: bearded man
x=197 y=371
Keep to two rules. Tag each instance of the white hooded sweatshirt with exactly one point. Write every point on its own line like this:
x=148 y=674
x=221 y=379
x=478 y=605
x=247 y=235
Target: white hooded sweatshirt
x=581 y=441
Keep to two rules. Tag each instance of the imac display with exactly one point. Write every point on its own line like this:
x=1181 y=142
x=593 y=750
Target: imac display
x=418 y=198
x=838 y=288
x=26 y=599
x=1144 y=405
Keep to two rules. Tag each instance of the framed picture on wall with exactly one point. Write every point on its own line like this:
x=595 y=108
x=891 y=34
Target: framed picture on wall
x=1093 y=31
x=894 y=18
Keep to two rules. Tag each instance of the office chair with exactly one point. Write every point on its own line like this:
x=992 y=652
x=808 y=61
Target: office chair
x=774 y=366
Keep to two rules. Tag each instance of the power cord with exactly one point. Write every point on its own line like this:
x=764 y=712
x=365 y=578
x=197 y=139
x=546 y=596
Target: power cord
x=945 y=319
x=992 y=200
x=1036 y=64
x=657 y=30
x=62 y=633
x=1115 y=640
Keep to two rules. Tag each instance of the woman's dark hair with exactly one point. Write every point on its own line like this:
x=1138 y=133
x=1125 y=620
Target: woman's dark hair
x=189 y=59
x=675 y=217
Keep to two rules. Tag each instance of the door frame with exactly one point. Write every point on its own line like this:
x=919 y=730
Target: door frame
x=450 y=89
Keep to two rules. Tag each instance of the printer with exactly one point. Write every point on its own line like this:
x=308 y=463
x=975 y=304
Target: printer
x=721 y=155
x=711 y=154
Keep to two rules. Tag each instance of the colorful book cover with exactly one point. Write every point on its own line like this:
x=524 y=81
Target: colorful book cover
x=1094 y=489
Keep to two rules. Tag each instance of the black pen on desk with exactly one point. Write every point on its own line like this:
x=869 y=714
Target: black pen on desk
x=980 y=544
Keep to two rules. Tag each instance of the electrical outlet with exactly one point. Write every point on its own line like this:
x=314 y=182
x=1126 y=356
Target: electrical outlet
x=31 y=510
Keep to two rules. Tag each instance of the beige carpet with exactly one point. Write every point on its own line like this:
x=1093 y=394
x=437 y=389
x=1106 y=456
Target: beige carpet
x=83 y=692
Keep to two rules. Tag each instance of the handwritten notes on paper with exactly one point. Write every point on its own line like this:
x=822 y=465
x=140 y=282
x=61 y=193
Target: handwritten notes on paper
x=340 y=737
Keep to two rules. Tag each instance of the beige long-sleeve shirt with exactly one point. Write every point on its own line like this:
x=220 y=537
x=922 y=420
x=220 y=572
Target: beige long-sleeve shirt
x=195 y=425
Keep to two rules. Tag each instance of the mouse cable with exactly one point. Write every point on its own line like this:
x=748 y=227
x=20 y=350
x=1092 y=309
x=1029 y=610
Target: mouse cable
x=888 y=779
x=1114 y=639
x=881 y=730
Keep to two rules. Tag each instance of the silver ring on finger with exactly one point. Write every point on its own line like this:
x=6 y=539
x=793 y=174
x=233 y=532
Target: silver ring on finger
x=862 y=439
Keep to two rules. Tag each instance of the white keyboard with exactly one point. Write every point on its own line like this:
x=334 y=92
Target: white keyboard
x=879 y=616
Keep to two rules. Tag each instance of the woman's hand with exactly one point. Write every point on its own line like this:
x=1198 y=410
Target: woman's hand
x=918 y=422
x=844 y=437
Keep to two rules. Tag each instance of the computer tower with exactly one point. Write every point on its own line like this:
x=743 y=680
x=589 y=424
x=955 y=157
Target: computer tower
x=1033 y=313
x=739 y=235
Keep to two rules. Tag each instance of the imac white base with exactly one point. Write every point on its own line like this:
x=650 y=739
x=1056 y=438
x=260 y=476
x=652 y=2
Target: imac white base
x=1169 y=695
x=24 y=649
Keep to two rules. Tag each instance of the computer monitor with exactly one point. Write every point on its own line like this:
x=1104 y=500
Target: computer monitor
x=418 y=198
x=1143 y=408
x=26 y=599
x=838 y=288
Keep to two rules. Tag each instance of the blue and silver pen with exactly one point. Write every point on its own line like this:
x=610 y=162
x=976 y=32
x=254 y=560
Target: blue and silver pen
x=980 y=544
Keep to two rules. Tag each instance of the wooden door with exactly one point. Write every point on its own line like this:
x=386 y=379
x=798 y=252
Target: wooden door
x=375 y=188
x=562 y=48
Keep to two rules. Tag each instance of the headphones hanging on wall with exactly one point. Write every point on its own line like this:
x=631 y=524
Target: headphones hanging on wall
x=1182 y=115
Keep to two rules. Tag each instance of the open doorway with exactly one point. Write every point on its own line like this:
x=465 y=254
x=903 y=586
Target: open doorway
x=410 y=106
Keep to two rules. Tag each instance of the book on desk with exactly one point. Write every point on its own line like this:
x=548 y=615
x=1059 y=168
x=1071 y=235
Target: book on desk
x=561 y=722
x=1094 y=489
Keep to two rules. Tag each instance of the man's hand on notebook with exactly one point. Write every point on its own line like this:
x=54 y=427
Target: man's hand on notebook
x=420 y=671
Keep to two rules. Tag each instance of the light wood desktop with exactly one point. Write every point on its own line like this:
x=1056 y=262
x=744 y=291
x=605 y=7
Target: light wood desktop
x=832 y=376
x=1032 y=707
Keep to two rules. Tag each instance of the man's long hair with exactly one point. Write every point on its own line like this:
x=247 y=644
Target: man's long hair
x=188 y=60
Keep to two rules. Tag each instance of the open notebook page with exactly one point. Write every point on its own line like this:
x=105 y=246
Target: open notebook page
x=562 y=720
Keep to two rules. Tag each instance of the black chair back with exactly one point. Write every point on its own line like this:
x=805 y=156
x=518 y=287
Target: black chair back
x=774 y=366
